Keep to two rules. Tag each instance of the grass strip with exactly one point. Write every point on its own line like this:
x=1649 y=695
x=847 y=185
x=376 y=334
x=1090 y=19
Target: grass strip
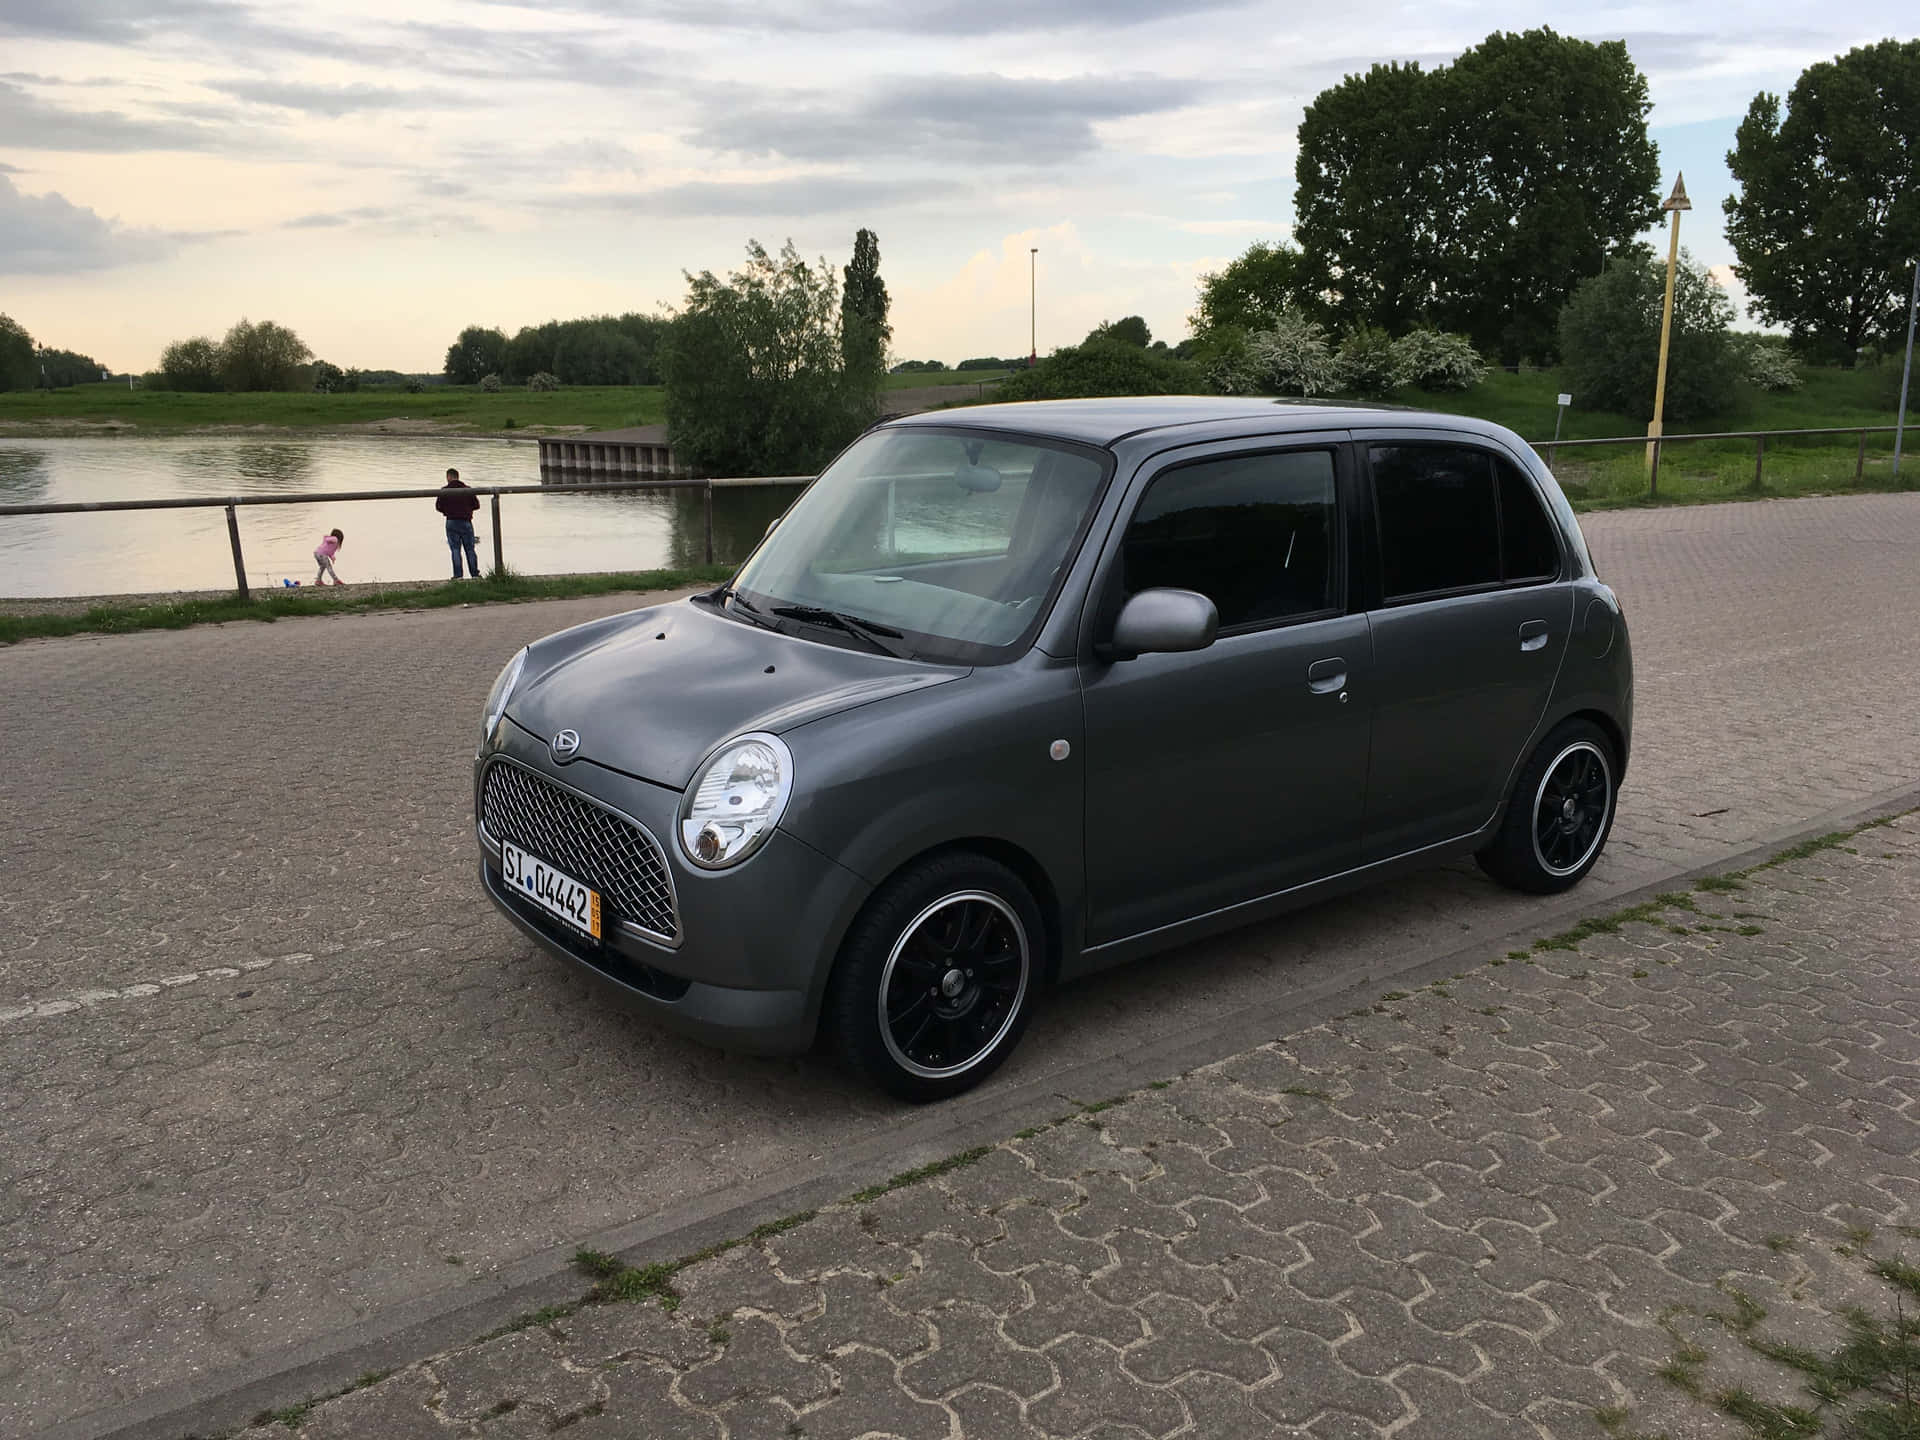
x=270 y=605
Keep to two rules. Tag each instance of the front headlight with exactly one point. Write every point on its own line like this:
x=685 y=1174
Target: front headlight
x=735 y=801
x=501 y=692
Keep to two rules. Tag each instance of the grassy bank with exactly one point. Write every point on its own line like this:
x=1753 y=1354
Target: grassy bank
x=453 y=407
x=284 y=604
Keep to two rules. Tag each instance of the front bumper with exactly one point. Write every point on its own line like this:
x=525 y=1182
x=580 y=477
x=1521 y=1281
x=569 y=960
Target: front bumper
x=754 y=944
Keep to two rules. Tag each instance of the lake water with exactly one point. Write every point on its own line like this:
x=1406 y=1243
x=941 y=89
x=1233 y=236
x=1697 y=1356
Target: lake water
x=129 y=552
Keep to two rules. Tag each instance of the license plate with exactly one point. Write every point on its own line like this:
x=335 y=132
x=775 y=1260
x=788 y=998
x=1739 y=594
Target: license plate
x=553 y=892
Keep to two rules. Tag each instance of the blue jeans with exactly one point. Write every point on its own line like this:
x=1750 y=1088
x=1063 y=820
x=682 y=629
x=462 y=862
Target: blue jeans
x=460 y=537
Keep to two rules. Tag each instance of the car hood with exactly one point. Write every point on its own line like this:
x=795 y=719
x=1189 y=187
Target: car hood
x=652 y=692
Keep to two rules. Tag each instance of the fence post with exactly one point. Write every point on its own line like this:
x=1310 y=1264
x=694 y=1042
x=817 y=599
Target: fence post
x=1860 y=465
x=709 y=490
x=1653 y=472
x=499 y=560
x=239 y=565
x=1547 y=454
x=1759 y=460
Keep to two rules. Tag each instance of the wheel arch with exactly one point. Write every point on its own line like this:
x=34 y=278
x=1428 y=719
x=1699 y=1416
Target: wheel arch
x=1022 y=863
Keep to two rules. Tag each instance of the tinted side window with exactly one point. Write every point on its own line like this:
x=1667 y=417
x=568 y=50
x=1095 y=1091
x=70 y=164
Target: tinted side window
x=1527 y=548
x=1439 y=525
x=1253 y=533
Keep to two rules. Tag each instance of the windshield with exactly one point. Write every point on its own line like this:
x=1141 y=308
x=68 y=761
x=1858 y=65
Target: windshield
x=940 y=544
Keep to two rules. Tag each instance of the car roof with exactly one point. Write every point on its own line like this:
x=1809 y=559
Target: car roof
x=1107 y=421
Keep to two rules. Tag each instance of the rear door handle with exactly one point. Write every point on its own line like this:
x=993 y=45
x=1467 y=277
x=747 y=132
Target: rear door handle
x=1326 y=676
x=1533 y=635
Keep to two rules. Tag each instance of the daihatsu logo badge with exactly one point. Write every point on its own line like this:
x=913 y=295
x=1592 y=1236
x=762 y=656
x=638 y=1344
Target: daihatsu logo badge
x=564 y=746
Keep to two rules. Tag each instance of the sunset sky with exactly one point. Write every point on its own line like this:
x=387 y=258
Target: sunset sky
x=378 y=175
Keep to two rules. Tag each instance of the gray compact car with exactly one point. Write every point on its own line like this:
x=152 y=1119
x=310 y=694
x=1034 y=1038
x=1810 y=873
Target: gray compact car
x=1015 y=693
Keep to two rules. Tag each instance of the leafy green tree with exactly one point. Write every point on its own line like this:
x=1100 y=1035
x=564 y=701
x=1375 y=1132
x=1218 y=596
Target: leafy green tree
x=328 y=379
x=1610 y=340
x=1132 y=330
x=478 y=352
x=1099 y=366
x=265 y=356
x=754 y=374
x=57 y=369
x=1477 y=195
x=989 y=362
x=596 y=353
x=17 y=370
x=1253 y=289
x=192 y=365
x=1826 y=223
x=864 y=328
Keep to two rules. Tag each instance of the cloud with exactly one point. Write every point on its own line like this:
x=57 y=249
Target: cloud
x=30 y=123
x=333 y=101
x=114 y=22
x=787 y=198
x=50 y=235
x=942 y=17
x=955 y=119
x=328 y=219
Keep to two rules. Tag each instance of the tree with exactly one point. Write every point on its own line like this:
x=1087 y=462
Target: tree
x=1099 y=366
x=17 y=370
x=1252 y=291
x=265 y=356
x=478 y=352
x=1610 y=340
x=864 y=330
x=754 y=373
x=1827 y=219
x=1131 y=330
x=328 y=379
x=190 y=365
x=1475 y=196
x=596 y=353
x=57 y=369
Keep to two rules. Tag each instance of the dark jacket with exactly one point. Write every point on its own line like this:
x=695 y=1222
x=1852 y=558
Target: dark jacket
x=457 y=507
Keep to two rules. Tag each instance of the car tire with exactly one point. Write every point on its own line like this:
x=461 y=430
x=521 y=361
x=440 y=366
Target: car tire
x=936 y=978
x=1559 y=814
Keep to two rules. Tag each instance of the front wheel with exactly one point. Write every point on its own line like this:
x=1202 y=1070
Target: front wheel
x=1559 y=814
x=936 y=979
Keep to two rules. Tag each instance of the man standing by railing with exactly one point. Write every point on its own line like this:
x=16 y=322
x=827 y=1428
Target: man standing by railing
x=459 y=508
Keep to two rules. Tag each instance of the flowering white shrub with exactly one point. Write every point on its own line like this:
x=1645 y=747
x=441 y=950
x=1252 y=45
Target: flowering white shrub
x=1371 y=363
x=1435 y=360
x=544 y=380
x=1293 y=358
x=490 y=384
x=1766 y=364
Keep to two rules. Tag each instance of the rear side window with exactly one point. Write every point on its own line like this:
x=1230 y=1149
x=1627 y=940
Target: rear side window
x=1439 y=519
x=1253 y=533
x=1455 y=518
x=1527 y=548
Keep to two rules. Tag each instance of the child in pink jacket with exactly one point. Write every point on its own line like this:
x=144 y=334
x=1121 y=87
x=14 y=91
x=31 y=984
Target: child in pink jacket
x=324 y=553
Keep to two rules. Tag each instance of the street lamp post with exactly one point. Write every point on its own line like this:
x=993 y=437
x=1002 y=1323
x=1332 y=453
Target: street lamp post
x=1676 y=202
x=1906 y=371
x=1033 y=306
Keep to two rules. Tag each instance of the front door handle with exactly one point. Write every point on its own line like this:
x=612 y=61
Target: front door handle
x=1326 y=676
x=1533 y=635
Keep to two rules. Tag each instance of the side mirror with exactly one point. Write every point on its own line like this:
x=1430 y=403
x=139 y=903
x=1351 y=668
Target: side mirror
x=1162 y=622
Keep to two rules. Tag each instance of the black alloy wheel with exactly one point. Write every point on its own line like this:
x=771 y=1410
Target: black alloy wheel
x=1559 y=813
x=936 y=978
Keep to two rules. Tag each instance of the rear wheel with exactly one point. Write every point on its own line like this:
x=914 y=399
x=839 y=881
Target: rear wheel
x=935 y=981
x=1559 y=814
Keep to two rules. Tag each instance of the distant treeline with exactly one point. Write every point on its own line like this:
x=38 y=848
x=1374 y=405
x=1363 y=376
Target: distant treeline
x=27 y=366
x=595 y=350
x=929 y=367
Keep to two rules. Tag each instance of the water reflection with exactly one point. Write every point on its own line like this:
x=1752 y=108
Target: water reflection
x=25 y=477
x=247 y=468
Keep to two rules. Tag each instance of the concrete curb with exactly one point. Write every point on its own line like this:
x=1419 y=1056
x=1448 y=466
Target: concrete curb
x=402 y=1334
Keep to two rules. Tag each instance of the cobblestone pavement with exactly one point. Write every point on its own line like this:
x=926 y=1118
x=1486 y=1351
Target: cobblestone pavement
x=1487 y=1209
x=268 y=1067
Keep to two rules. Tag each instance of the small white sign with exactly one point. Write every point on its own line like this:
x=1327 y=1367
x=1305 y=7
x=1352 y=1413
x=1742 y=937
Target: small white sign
x=1566 y=399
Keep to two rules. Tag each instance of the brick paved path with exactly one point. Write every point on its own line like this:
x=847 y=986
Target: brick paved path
x=268 y=1068
x=1462 y=1212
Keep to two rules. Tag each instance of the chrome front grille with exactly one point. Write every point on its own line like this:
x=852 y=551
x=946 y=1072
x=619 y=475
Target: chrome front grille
x=593 y=845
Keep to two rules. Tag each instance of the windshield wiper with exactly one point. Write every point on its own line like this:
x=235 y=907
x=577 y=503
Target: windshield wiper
x=880 y=637
x=750 y=611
